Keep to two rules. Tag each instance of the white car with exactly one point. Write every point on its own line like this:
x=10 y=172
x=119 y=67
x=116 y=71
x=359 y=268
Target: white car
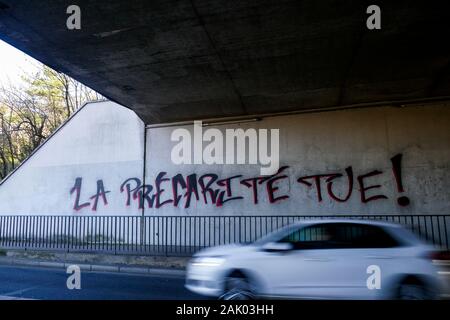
x=320 y=259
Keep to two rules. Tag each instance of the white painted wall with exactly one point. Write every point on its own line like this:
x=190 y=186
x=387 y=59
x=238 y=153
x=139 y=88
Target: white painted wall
x=329 y=142
x=102 y=141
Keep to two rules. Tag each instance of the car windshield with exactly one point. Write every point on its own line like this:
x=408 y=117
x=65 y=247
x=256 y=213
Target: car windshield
x=275 y=235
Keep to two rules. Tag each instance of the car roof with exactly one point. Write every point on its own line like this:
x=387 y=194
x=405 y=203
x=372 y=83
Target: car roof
x=347 y=220
x=398 y=231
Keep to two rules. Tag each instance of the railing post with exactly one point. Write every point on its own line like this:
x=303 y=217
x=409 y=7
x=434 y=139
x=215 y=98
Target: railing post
x=115 y=235
x=142 y=233
x=166 y=237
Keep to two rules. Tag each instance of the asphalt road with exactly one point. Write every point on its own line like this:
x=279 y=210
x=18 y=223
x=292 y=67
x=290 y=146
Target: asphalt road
x=50 y=284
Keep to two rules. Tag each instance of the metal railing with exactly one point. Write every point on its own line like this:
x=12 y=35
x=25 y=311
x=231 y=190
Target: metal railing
x=173 y=235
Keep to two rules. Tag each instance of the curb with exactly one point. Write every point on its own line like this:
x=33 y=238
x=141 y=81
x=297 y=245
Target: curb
x=133 y=269
x=104 y=268
x=13 y=298
x=95 y=267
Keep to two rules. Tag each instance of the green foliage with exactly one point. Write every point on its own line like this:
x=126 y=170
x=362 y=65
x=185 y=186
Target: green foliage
x=31 y=112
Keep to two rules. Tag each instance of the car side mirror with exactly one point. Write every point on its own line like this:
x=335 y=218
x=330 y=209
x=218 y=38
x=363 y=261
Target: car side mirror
x=277 y=246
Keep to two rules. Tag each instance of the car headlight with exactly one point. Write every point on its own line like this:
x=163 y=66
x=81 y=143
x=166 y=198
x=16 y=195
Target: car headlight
x=207 y=261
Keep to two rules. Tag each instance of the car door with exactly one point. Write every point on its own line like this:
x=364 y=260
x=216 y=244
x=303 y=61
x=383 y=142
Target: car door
x=306 y=271
x=363 y=251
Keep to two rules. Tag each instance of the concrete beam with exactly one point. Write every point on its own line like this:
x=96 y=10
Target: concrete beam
x=192 y=59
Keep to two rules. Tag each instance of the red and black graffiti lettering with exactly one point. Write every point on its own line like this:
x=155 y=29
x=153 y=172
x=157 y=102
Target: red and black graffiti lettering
x=77 y=189
x=210 y=189
x=101 y=193
x=366 y=189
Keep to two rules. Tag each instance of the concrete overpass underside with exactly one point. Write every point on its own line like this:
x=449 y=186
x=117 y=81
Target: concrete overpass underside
x=193 y=59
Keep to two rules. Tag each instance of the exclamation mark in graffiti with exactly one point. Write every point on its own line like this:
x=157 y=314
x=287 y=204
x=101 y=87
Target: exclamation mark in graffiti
x=397 y=170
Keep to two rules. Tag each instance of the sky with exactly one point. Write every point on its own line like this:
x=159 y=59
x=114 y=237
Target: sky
x=13 y=63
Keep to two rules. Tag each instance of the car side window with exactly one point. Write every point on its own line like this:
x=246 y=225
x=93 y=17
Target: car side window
x=312 y=237
x=340 y=236
x=363 y=236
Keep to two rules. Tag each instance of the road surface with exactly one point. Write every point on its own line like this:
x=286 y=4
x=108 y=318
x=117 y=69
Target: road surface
x=50 y=284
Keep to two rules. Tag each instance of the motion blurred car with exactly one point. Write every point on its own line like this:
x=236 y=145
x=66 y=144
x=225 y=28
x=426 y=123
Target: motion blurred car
x=321 y=259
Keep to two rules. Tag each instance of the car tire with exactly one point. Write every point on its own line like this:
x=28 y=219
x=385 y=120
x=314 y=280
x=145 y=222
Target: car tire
x=237 y=287
x=414 y=290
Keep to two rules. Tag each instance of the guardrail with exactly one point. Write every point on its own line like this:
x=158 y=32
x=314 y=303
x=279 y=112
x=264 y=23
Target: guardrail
x=173 y=235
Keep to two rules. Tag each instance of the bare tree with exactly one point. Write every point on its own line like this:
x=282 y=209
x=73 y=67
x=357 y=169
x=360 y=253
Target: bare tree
x=31 y=112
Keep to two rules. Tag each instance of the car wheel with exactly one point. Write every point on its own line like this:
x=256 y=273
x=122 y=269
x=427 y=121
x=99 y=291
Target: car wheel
x=413 y=291
x=237 y=287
